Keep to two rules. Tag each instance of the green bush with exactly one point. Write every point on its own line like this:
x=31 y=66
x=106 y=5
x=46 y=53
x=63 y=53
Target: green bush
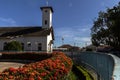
x=13 y=46
x=89 y=49
x=32 y=56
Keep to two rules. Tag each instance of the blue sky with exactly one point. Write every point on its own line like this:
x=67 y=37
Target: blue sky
x=72 y=19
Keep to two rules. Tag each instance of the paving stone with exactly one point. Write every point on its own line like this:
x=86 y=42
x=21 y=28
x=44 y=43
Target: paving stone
x=5 y=65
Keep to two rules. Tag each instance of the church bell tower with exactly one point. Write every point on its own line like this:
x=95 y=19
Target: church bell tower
x=46 y=16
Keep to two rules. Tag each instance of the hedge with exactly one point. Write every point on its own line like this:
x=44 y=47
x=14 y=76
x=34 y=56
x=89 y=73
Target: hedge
x=32 y=56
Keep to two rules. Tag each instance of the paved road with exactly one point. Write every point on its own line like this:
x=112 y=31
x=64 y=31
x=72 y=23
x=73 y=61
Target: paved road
x=5 y=65
x=116 y=72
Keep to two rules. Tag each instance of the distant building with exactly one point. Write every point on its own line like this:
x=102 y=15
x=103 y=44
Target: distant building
x=67 y=47
x=32 y=38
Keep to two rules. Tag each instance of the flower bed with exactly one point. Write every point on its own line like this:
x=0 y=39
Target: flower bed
x=55 y=68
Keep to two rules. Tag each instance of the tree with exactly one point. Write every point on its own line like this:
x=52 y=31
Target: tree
x=13 y=46
x=106 y=28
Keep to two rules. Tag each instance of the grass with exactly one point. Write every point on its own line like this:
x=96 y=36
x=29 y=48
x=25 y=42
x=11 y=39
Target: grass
x=85 y=73
x=72 y=76
x=79 y=73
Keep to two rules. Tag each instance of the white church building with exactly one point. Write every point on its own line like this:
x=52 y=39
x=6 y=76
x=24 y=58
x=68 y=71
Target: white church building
x=32 y=38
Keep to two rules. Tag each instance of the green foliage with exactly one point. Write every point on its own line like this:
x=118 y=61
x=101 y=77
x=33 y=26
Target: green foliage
x=89 y=49
x=85 y=72
x=13 y=46
x=106 y=28
x=81 y=73
x=72 y=76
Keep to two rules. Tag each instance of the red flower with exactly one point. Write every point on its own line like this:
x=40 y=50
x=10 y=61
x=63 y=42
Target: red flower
x=39 y=78
x=55 y=68
x=31 y=78
x=11 y=77
x=43 y=74
x=11 y=69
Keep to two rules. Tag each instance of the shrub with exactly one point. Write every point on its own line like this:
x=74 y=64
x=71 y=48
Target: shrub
x=32 y=56
x=89 y=49
x=13 y=46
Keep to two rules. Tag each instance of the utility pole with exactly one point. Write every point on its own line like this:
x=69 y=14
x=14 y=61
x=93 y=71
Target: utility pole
x=62 y=40
x=86 y=44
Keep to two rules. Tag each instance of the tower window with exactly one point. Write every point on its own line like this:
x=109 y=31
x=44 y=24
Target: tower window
x=46 y=11
x=45 y=22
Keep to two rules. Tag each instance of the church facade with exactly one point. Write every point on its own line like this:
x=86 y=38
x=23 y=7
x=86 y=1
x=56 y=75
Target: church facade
x=32 y=38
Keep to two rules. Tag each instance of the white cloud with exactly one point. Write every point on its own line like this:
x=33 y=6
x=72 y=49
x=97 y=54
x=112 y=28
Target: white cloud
x=8 y=20
x=75 y=34
x=83 y=39
x=64 y=32
x=86 y=39
x=71 y=32
x=85 y=29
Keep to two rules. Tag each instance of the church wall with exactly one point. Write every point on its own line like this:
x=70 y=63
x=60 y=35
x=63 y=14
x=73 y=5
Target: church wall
x=49 y=47
x=34 y=41
x=2 y=44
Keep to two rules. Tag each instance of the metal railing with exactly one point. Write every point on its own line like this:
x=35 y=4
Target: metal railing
x=90 y=69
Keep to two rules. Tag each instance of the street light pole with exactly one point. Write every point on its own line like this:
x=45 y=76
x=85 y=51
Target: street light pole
x=62 y=40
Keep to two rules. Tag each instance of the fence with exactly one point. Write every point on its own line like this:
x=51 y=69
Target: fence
x=102 y=63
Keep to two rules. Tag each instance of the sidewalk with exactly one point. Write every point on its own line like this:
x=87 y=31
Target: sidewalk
x=5 y=65
x=116 y=72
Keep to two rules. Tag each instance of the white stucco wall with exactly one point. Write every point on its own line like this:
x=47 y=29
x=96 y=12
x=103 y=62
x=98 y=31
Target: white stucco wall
x=33 y=40
x=46 y=16
x=2 y=43
x=49 y=38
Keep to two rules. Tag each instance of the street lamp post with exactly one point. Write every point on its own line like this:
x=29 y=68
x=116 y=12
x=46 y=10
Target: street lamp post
x=62 y=40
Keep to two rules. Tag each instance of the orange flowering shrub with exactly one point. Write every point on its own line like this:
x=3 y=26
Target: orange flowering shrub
x=55 y=68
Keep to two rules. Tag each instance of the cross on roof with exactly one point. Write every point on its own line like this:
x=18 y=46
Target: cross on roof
x=47 y=2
